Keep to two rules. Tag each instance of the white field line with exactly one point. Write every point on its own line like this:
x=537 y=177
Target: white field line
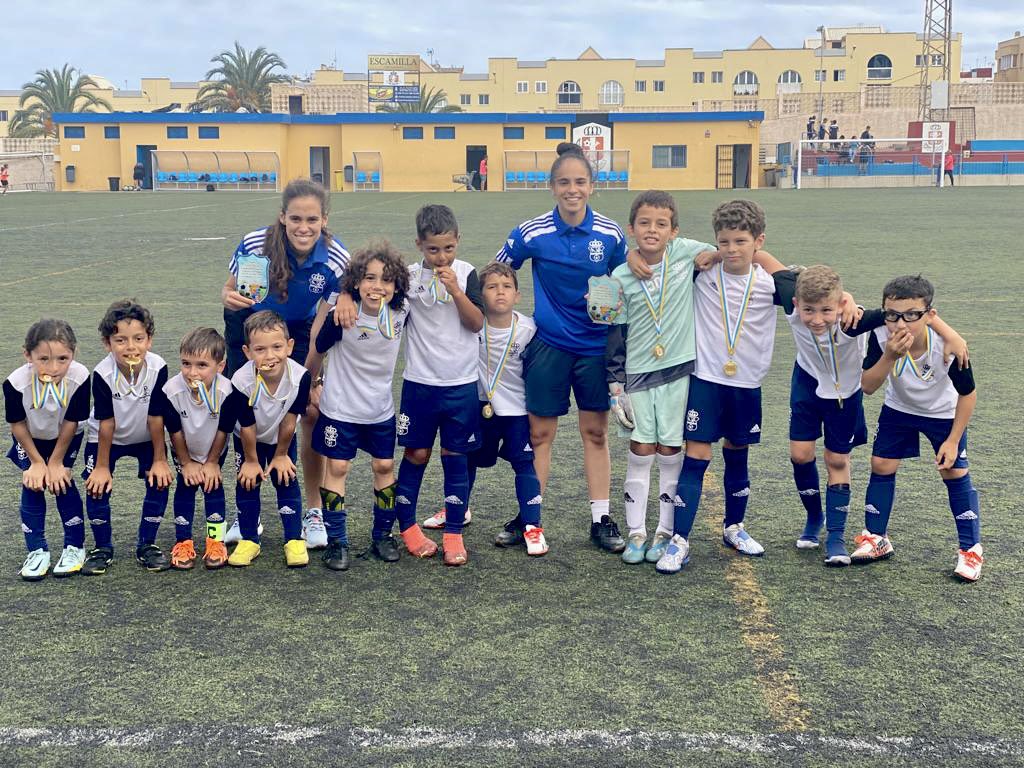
x=132 y=214
x=415 y=739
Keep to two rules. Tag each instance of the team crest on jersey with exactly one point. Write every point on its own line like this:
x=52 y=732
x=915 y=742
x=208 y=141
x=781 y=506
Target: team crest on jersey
x=330 y=436
x=317 y=282
x=596 y=250
x=402 y=424
x=692 y=420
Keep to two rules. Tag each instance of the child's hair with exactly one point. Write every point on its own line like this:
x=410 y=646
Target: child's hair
x=49 y=329
x=567 y=150
x=818 y=283
x=264 y=320
x=739 y=214
x=200 y=340
x=909 y=287
x=276 y=242
x=655 y=198
x=394 y=269
x=435 y=220
x=498 y=269
x=125 y=309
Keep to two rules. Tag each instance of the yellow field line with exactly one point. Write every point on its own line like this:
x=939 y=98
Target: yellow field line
x=774 y=678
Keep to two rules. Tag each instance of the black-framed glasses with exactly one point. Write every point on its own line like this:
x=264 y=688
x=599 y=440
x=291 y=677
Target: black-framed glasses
x=910 y=316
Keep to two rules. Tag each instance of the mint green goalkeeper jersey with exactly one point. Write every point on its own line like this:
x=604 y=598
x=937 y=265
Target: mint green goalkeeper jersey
x=677 y=336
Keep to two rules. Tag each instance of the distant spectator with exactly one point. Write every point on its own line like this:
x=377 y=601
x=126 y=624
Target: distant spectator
x=4 y=179
x=483 y=174
x=822 y=128
x=947 y=166
x=810 y=127
x=138 y=175
x=867 y=134
x=833 y=130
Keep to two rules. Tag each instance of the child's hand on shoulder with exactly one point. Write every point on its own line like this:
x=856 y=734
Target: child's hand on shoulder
x=210 y=472
x=849 y=312
x=638 y=266
x=706 y=260
x=346 y=312
x=250 y=474
x=159 y=475
x=957 y=348
x=34 y=478
x=285 y=469
x=99 y=482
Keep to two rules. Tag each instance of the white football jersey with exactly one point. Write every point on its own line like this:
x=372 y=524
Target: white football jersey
x=128 y=401
x=269 y=409
x=509 y=398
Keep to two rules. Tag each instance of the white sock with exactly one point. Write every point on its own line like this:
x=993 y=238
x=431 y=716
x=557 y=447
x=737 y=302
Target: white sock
x=635 y=491
x=598 y=509
x=668 y=478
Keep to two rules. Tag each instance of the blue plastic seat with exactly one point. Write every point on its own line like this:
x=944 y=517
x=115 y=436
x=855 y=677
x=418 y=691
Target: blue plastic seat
x=222 y=178
x=375 y=177
x=233 y=178
x=531 y=177
x=360 y=177
x=161 y=176
x=624 y=176
x=193 y=177
x=542 y=177
x=613 y=177
x=520 y=177
x=510 y=177
x=602 y=177
x=273 y=177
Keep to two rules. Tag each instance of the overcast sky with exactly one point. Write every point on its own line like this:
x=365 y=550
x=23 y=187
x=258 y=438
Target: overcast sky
x=125 y=41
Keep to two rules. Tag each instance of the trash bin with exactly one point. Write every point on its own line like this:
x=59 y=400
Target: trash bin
x=114 y=182
x=69 y=174
x=769 y=178
x=349 y=174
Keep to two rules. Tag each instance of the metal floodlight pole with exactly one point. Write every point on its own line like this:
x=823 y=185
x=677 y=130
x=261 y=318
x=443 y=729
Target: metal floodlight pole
x=821 y=71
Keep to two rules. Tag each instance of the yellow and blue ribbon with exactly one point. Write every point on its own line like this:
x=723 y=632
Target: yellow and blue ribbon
x=901 y=365
x=42 y=391
x=492 y=381
x=732 y=333
x=657 y=315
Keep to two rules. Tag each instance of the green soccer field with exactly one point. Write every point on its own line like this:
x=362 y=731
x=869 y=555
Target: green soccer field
x=569 y=659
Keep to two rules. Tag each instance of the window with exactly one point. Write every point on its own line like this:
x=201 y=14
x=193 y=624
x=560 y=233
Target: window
x=611 y=93
x=659 y=86
x=74 y=131
x=465 y=99
x=3 y=115
x=540 y=86
x=936 y=60
x=411 y=132
x=444 y=131
x=209 y=132
x=668 y=156
x=838 y=75
x=717 y=77
x=555 y=132
x=880 y=67
x=698 y=77
x=514 y=132
x=820 y=75
x=745 y=84
x=790 y=76
x=569 y=93
x=483 y=99
x=522 y=86
x=640 y=86
x=111 y=132
x=177 y=131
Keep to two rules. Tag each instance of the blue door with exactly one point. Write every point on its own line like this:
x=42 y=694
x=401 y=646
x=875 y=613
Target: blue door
x=142 y=155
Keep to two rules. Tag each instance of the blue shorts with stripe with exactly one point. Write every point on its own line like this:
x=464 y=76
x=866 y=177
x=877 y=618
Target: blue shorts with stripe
x=551 y=373
x=427 y=409
x=810 y=416
x=19 y=456
x=898 y=436
x=714 y=411
x=506 y=437
x=264 y=452
x=341 y=439
x=142 y=452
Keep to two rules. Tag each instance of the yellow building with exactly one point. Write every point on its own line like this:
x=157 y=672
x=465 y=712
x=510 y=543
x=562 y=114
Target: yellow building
x=1010 y=60
x=154 y=93
x=403 y=151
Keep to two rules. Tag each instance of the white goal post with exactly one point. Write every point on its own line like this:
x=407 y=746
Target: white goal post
x=29 y=171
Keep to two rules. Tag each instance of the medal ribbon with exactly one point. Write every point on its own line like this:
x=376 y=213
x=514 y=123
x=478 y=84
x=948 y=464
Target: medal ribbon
x=900 y=365
x=211 y=398
x=656 y=316
x=384 y=324
x=128 y=383
x=258 y=390
x=732 y=333
x=833 y=357
x=438 y=292
x=492 y=382
x=42 y=391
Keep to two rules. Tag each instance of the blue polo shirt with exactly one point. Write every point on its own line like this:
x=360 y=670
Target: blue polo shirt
x=316 y=278
x=564 y=258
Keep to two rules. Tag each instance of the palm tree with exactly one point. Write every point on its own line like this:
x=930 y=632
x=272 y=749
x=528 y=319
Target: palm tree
x=431 y=100
x=243 y=82
x=53 y=90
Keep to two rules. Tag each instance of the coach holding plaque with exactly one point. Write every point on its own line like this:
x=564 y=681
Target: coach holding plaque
x=291 y=268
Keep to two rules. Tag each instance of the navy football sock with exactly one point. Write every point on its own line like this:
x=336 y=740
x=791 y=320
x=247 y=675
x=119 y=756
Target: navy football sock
x=154 y=504
x=69 y=507
x=33 y=518
x=407 y=492
x=736 y=481
x=878 y=501
x=248 y=503
x=98 y=512
x=383 y=511
x=456 y=491
x=966 y=508
x=184 y=509
x=528 y=493
x=333 y=505
x=837 y=502
x=809 y=487
x=691 y=484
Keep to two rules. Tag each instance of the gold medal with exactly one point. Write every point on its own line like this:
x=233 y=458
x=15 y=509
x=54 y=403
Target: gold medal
x=659 y=351
x=45 y=378
x=194 y=384
x=730 y=368
x=487 y=411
